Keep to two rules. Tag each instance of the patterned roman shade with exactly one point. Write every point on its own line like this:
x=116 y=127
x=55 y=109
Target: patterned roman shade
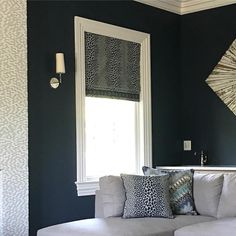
x=112 y=67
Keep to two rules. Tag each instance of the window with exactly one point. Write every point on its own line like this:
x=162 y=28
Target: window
x=113 y=135
x=110 y=137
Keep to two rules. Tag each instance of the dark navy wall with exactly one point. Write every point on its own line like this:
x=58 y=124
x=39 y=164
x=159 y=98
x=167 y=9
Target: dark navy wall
x=52 y=140
x=205 y=36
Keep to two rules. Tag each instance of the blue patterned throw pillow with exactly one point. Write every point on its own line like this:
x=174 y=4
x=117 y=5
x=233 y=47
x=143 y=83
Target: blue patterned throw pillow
x=181 y=192
x=150 y=171
x=180 y=187
x=146 y=196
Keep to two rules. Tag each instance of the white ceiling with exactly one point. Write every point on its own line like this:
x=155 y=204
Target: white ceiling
x=182 y=7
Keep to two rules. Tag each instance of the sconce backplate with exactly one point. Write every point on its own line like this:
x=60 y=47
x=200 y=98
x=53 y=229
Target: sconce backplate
x=54 y=82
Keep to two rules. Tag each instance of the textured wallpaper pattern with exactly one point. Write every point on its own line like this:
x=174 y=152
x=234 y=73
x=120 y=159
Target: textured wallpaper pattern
x=13 y=117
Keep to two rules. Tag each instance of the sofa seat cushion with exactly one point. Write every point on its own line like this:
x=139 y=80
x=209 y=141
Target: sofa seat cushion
x=117 y=226
x=222 y=227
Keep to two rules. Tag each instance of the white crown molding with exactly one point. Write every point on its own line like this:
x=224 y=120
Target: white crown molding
x=171 y=5
x=182 y=7
x=189 y=6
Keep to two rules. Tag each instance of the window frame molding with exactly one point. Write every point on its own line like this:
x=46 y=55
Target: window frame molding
x=83 y=25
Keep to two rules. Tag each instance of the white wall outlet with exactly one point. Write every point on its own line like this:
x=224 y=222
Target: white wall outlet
x=187 y=145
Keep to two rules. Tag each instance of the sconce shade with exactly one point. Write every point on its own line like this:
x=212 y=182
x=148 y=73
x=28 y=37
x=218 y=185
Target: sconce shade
x=60 y=63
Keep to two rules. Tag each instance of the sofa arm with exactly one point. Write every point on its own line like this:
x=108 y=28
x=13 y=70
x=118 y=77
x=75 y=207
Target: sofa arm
x=98 y=205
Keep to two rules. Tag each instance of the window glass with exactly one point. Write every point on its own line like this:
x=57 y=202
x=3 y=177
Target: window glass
x=110 y=146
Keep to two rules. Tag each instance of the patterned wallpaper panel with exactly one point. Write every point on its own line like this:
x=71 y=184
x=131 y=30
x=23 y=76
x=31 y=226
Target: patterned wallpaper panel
x=13 y=117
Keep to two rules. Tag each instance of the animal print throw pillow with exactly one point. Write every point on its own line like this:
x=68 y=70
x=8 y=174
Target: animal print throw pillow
x=181 y=189
x=146 y=196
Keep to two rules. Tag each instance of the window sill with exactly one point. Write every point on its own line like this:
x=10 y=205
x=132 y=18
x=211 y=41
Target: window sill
x=86 y=188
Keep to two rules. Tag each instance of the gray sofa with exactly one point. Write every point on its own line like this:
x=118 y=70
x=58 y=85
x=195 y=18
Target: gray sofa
x=214 y=197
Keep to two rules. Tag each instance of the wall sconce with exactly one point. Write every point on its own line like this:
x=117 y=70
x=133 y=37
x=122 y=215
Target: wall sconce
x=60 y=69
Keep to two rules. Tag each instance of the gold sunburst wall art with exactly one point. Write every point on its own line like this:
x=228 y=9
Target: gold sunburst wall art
x=222 y=80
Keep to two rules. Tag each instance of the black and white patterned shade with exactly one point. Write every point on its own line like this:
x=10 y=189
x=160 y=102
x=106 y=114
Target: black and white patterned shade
x=112 y=67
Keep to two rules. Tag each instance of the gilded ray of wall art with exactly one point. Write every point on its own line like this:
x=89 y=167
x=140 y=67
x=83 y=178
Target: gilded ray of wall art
x=222 y=80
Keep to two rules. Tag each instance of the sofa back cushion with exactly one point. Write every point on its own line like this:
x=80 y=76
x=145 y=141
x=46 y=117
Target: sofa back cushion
x=206 y=191
x=227 y=205
x=147 y=196
x=112 y=194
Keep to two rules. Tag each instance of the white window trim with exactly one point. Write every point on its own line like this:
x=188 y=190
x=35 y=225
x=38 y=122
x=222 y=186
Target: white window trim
x=83 y=25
